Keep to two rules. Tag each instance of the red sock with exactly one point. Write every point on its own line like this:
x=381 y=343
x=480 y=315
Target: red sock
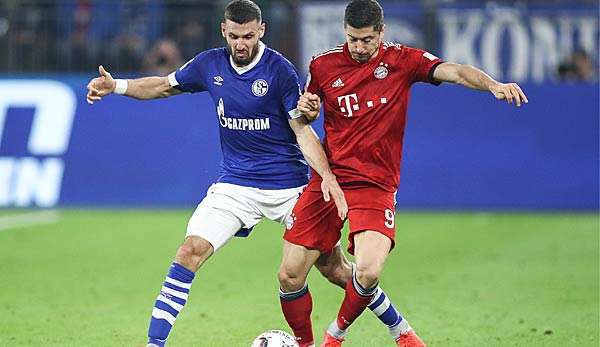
x=296 y=308
x=354 y=304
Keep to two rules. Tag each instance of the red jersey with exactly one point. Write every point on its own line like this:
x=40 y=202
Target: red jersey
x=365 y=109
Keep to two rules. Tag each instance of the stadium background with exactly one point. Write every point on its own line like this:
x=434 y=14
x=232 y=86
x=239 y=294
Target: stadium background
x=88 y=190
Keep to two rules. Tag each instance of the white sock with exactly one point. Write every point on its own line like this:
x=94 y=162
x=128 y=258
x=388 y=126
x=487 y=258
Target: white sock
x=335 y=331
x=402 y=328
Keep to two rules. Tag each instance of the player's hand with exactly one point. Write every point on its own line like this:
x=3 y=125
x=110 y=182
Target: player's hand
x=331 y=189
x=100 y=86
x=511 y=92
x=309 y=105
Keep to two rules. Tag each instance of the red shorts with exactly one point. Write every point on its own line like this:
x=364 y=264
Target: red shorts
x=315 y=223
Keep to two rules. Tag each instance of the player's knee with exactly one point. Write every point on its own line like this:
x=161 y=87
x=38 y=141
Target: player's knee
x=193 y=253
x=185 y=252
x=367 y=276
x=290 y=281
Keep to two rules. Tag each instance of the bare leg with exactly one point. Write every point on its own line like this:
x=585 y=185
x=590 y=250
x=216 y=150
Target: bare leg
x=335 y=267
x=193 y=253
x=338 y=270
x=371 y=250
x=296 y=301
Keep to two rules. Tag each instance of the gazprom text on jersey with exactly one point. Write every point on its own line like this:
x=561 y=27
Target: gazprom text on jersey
x=245 y=123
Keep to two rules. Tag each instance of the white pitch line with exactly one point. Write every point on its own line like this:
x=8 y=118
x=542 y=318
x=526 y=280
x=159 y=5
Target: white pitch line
x=29 y=219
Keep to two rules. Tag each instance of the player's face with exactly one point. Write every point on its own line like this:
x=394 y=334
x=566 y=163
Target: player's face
x=242 y=40
x=363 y=43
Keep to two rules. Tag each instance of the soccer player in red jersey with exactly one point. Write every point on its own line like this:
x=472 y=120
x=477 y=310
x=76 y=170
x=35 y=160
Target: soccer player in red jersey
x=364 y=87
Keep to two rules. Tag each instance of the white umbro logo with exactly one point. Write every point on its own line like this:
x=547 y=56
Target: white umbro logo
x=218 y=80
x=338 y=83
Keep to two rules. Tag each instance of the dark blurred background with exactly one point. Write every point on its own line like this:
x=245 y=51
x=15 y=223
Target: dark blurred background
x=129 y=36
x=155 y=36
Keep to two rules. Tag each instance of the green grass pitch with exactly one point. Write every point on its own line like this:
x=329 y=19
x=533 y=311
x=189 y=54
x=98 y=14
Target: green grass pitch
x=468 y=279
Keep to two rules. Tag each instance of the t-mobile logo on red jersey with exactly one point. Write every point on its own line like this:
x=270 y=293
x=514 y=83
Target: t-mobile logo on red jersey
x=349 y=103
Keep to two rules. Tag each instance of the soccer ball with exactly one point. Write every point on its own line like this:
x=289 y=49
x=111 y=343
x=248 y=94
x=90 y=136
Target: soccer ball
x=274 y=338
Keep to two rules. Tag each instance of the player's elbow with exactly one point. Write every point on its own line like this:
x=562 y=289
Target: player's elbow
x=302 y=135
x=150 y=94
x=461 y=81
x=306 y=147
x=162 y=89
x=453 y=73
x=301 y=140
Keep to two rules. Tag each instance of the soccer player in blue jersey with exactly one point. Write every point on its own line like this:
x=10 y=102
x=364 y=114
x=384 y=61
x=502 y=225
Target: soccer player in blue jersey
x=266 y=144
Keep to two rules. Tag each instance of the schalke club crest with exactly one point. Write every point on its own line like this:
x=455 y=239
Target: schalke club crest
x=260 y=87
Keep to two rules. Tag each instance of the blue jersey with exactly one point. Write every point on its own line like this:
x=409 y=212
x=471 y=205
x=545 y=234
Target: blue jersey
x=254 y=105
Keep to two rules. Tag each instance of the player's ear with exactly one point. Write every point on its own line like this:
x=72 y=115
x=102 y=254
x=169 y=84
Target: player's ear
x=382 y=32
x=263 y=28
x=223 y=29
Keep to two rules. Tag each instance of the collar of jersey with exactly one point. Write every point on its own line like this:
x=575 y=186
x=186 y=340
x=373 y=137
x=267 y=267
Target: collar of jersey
x=244 y=69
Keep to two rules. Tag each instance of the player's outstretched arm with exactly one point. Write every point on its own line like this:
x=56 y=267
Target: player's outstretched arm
x=474 y=78
x=141 y=88
x=315 y=155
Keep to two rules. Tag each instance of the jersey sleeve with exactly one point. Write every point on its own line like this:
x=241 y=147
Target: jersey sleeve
x=425 y=65
x=312 y=82
x=191 y=76
x=290 y=89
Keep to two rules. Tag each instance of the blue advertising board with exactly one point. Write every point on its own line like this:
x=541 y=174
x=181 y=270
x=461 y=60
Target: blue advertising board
x=463 y=149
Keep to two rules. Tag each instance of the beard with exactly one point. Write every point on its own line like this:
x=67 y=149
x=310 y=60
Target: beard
x=365 y=57
x=243 y=57
x=362 y=58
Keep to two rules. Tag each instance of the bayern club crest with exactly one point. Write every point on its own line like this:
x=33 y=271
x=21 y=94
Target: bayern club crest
x=381 y=72
x=260 y=87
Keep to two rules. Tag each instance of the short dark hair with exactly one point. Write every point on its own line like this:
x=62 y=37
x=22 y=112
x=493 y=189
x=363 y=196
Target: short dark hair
x=364 y=13
x=242 y=12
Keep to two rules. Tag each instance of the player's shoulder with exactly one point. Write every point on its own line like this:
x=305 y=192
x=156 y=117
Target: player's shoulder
x=332 y=54
x=278 y=60
x=215 y=53
x=403 y=50
x=393 y=47
x=209 y=55
x=404 y=53
x=398 y=49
